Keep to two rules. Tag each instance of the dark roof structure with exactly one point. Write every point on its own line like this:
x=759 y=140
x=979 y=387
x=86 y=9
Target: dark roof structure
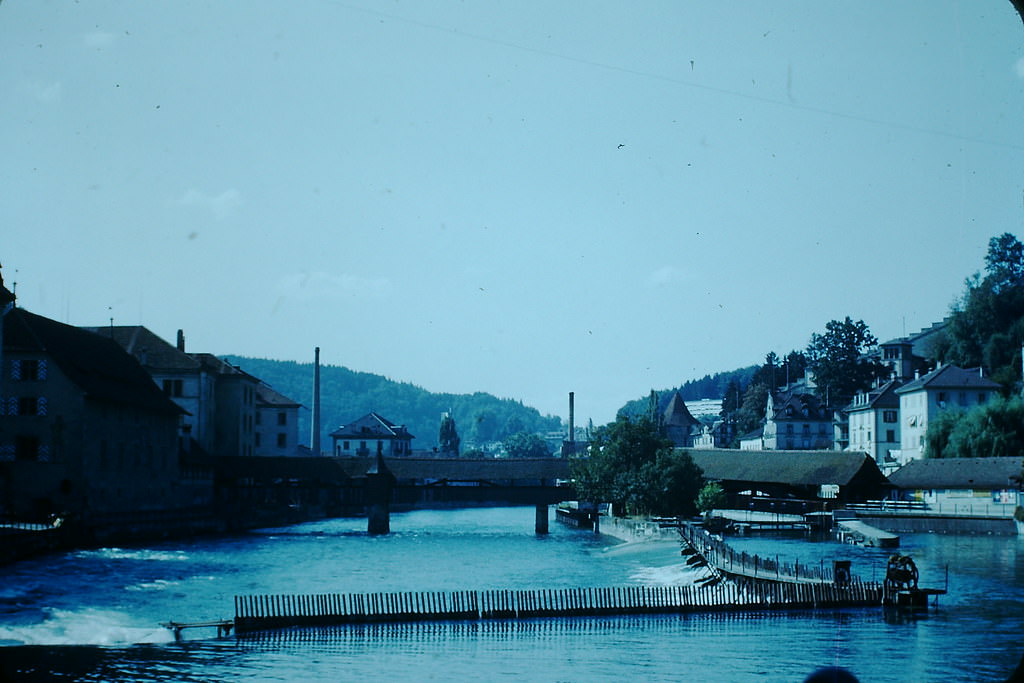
x=883 y=396
x=148 y=348
x=797 y=404
x=950 y=377
x=95 y=364
x=678 y=415
x=371 y=426
x=959 y=473
x=797 y=468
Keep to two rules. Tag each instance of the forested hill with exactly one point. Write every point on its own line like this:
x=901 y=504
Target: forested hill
x=708 y=386
x=346 y=395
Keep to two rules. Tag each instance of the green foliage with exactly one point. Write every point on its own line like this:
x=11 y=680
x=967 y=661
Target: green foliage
x=986 y=326
x=633 y=467
x=347 y=395
x=448 y=437
x=838 y=361
x=526 y=445
x=750 y=416
x=710 y=497
x=994 y=429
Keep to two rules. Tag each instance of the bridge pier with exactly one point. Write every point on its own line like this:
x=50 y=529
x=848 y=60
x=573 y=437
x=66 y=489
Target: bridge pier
x=379 y=483
x=541 y=525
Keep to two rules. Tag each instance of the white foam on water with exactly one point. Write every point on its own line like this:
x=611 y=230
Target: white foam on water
x=141 y=554
x=85 y=627
x=156 y=585
x=672 y=575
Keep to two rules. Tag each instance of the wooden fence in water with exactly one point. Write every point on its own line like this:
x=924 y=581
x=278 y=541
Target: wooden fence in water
x=265 y=612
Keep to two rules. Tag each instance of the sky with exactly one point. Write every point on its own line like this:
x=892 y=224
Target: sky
x=526 y=198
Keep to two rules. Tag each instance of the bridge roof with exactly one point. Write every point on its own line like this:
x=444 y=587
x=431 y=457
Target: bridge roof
x=802 y=468
x=463 y=469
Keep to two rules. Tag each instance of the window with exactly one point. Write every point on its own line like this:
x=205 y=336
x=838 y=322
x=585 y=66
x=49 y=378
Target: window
x=282 y=440
x=173 y=387
x=889 y=416
x=962 y=398
x=28 y=370
x=282 y=418
x=257 y=438
x=789 y=429
x=26 y=447
x=941 y=398
x=344 y=445
x=982 y=397
x=31 y=405
x=259 y=417
x=890 y=435
x=807 y=429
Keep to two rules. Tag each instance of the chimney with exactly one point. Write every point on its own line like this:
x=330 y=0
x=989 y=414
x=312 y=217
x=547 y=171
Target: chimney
x=572 y=419
x=315 y=445
x=181 y=341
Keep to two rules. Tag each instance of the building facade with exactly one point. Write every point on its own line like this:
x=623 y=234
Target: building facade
x=371 y=435
x=946 y=388
x=874 y=424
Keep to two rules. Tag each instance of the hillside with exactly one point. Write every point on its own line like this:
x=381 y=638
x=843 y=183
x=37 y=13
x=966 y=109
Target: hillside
x=346 y=395
x=708 y=386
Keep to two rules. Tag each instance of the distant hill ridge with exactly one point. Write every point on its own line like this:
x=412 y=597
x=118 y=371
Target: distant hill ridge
x=346 y=395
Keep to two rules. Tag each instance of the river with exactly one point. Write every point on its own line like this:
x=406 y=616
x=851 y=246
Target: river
x=94 y=615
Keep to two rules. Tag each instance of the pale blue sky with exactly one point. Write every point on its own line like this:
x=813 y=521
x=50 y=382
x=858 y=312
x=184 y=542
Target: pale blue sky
x=525 y=198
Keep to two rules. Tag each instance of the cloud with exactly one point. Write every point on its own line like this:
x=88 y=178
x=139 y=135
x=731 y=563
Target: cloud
x=1019 y=68
x=221 y=205
x=665 y=276
x=318 y=285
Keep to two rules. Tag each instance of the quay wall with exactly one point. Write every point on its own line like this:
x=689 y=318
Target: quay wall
x=913 y=524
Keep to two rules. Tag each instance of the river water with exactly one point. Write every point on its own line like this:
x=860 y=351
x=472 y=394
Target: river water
x=94 y=615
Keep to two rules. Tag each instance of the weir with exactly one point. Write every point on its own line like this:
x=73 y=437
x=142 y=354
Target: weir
x=267 y=612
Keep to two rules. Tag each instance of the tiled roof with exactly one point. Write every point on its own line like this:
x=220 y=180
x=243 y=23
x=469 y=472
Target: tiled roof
x=786 y=467
x=932 y=473
x=950 y=377
x=95 y=364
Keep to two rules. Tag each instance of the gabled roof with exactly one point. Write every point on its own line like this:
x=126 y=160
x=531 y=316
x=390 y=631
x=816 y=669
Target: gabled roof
x=677 y=414
x=372 y=426
x=95 y=364
x=961 y=473
x=883 y=396
x=147 y=348
x=950 y=377
x=801 y=468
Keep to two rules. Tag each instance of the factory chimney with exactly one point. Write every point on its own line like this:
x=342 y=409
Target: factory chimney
x=315 y=428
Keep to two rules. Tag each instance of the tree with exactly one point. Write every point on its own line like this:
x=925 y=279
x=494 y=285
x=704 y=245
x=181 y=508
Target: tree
x=525 y=445
x=837 y=359
x=448 y=436
x=751 y=414
x=633 y=467
x=986 y=326
x=994 y=429
x=710 y=497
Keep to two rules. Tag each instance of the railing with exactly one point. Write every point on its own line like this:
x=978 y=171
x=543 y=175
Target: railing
x=718 y=553
x=974 y=508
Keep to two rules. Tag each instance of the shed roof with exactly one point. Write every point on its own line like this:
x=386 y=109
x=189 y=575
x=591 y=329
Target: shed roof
x=932 y=473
